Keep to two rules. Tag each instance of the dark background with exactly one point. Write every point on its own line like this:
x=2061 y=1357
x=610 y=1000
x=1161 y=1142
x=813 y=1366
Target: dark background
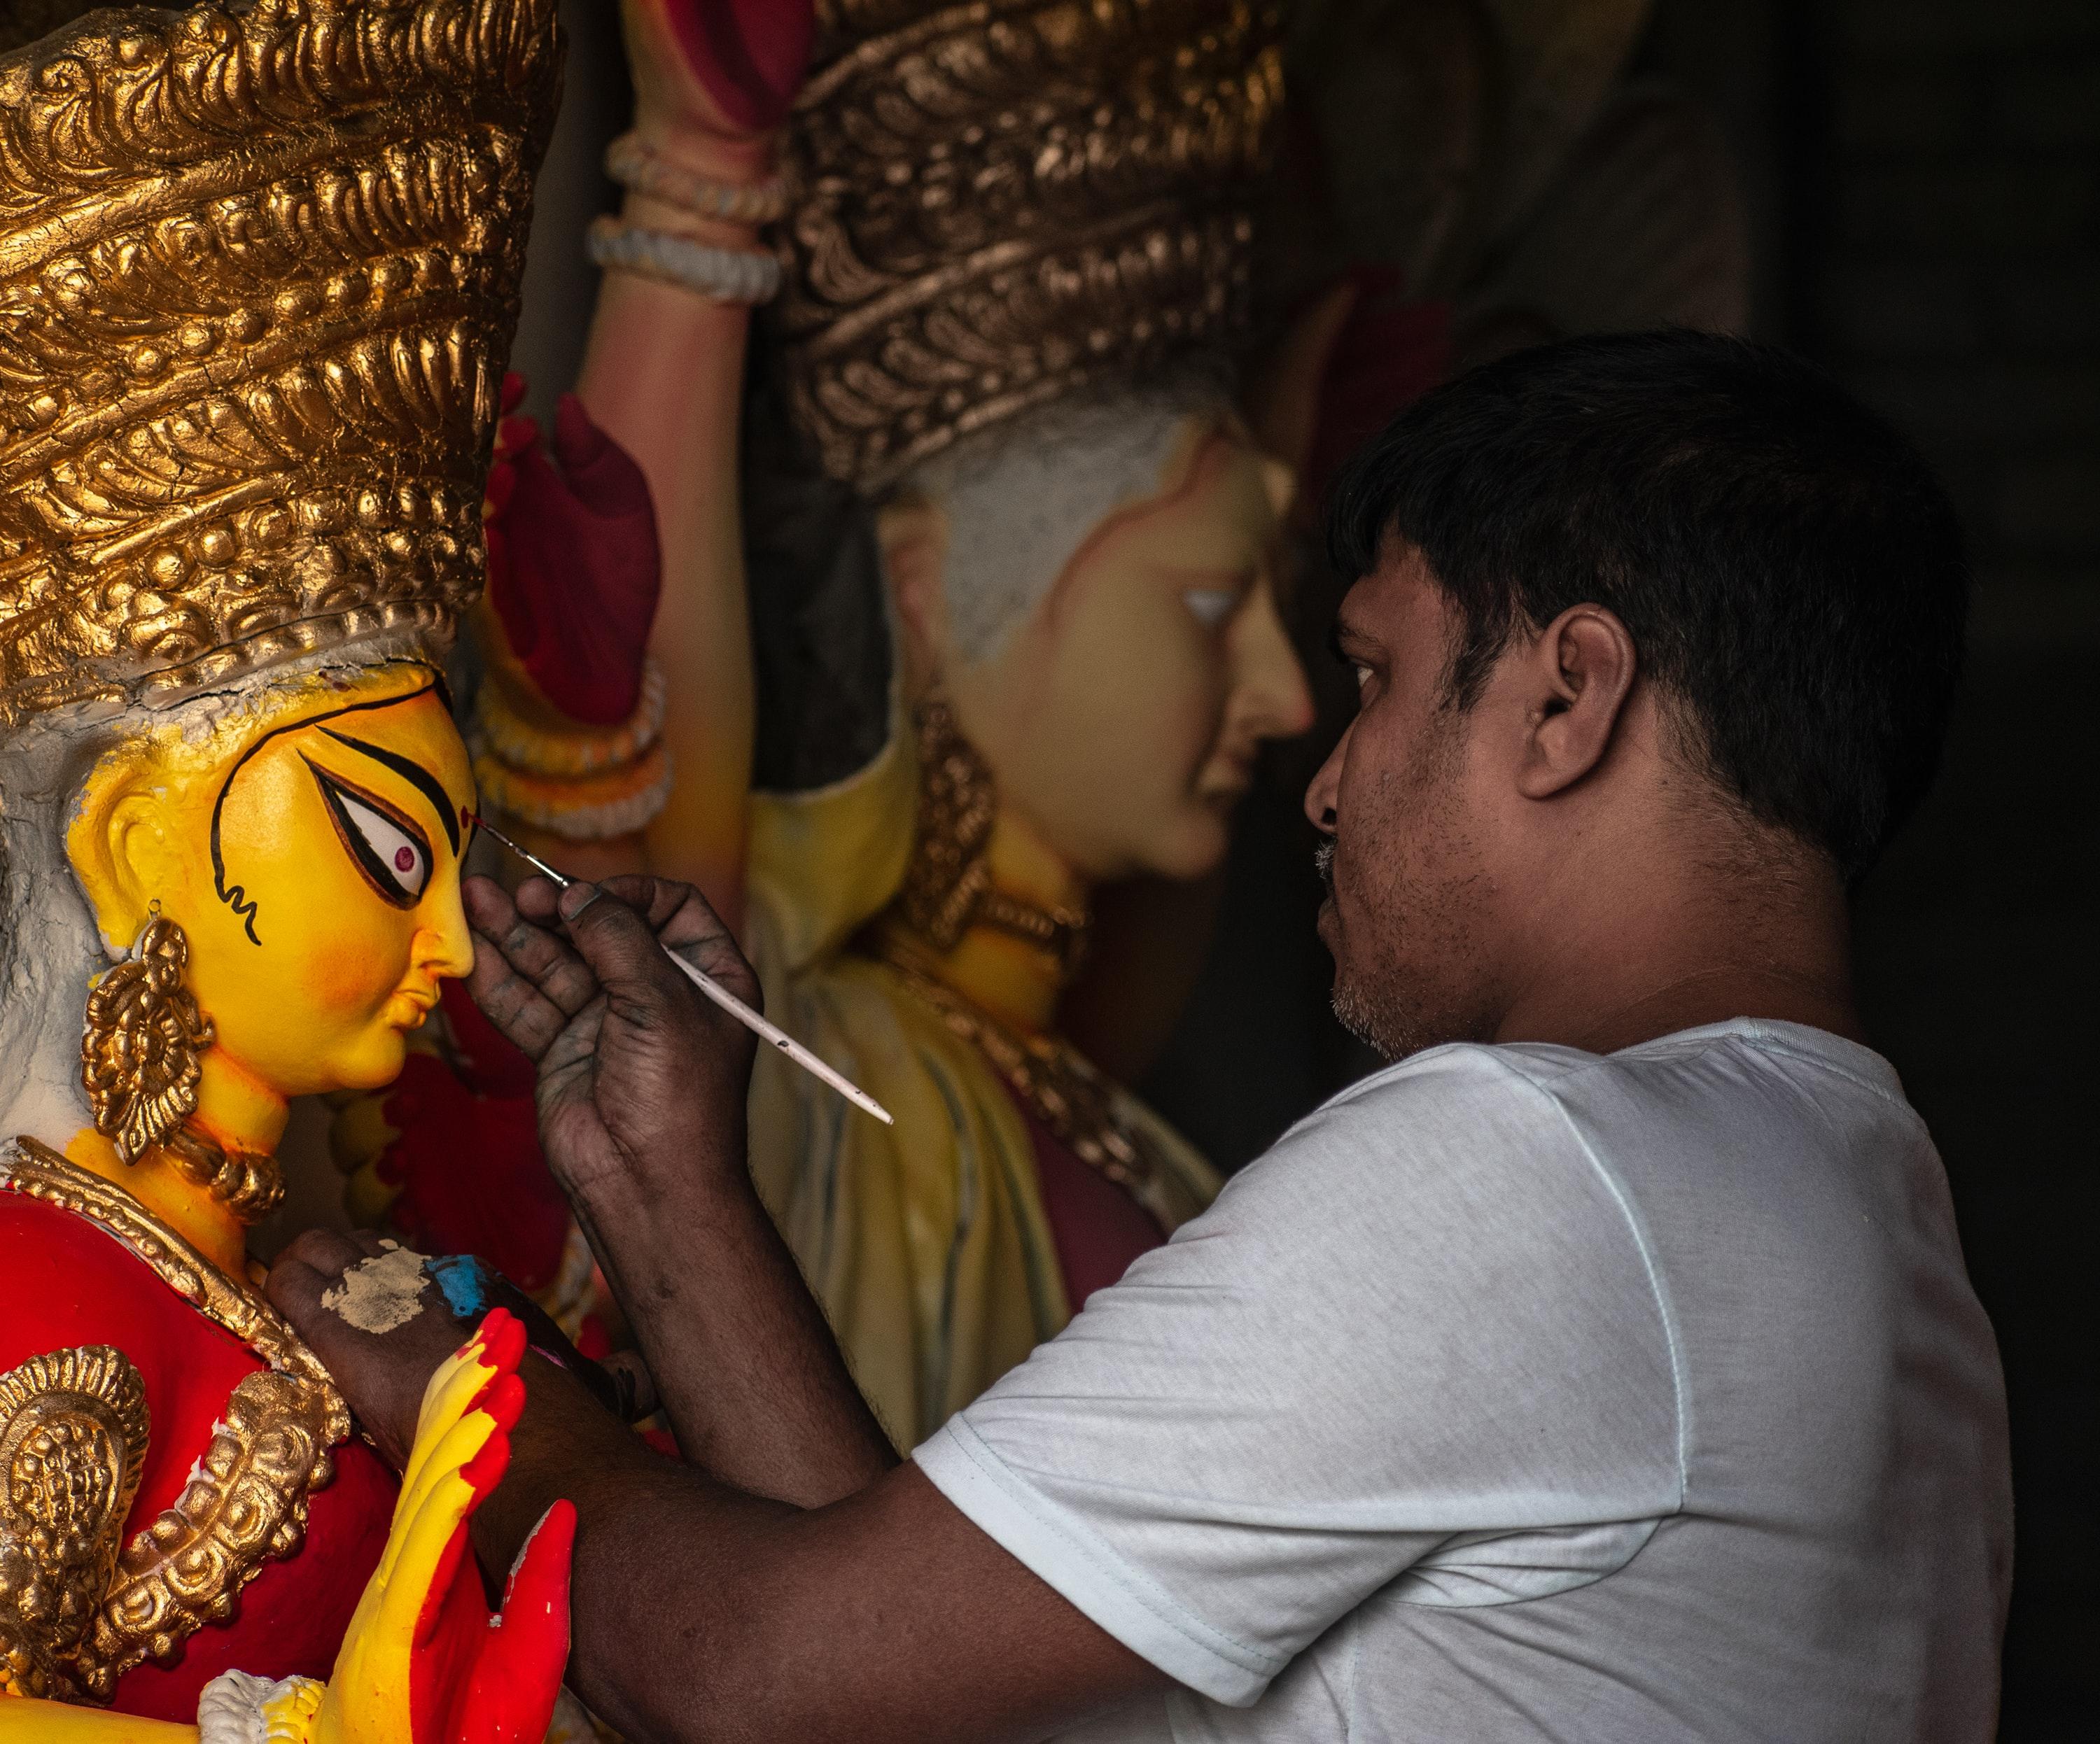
x=1921 y=182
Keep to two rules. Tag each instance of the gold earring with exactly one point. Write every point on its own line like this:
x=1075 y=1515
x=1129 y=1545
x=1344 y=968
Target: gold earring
x=948 y=886
x=140 y=1046
x=947 y=877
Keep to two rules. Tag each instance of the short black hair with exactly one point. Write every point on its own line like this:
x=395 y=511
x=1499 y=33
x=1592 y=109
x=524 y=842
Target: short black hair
x=1790 y=570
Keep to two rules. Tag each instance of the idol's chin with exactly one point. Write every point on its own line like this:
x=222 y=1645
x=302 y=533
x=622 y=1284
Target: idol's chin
x=1196 y=845
x=377 y=1063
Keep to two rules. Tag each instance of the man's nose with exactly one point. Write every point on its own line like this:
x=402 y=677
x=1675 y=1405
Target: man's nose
x=1324 y=795
x=1274 y=698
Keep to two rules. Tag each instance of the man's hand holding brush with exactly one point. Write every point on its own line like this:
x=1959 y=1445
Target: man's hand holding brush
x=642 y=1094
x=577 y=978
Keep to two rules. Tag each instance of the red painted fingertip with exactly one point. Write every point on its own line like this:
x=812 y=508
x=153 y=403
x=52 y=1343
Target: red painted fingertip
x=485 y=1470
x=498 y=1341
x=504 y=1399
x=541 y=1575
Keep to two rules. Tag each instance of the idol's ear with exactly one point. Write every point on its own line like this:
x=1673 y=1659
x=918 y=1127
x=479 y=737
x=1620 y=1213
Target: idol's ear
x=912 y=535
x=122 y=845
x=1282 y=399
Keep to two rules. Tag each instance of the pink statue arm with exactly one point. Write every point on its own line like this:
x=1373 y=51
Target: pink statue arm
x=663 y=376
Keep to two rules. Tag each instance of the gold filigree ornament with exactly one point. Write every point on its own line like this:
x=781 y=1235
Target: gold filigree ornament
x=141 y=1059
x=258 y=276
x=142 y=1046
x=72 y=1436
x=999 y=203
x=948 y=887
x=247 y=1498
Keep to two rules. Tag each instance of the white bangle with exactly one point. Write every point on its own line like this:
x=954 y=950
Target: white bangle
x=631 y=163
x=725 y=276
x=236 y=1708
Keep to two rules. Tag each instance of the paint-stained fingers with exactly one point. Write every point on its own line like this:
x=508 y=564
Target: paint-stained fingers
x=543 y=957
x=527 y=1019
x=685 y=923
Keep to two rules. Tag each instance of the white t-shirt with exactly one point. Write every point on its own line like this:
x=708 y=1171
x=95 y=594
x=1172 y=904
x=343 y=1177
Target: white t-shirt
x=1523 y=1393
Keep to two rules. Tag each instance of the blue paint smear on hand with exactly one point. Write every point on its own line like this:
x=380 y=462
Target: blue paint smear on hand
x=466 y=1282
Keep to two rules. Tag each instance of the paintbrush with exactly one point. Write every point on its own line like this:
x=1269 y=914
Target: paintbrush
x=723 y=996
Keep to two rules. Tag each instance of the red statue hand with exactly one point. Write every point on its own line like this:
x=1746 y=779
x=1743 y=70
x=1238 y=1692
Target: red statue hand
x=517 y=1674
x=421 y=1661
x=727 y=69
x=574 y=569
x=497 y=1684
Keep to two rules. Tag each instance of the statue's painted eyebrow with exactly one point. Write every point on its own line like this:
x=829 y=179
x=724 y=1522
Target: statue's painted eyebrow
x=413 y=772
x=232 y=895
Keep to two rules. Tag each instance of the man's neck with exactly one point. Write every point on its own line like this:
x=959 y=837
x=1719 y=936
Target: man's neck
x=1624 y=960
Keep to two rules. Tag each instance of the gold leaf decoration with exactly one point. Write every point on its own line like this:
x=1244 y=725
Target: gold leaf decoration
x=258 y=272
x=999 y=204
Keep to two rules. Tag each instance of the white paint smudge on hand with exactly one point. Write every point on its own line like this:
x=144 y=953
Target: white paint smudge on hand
x=379 y=1294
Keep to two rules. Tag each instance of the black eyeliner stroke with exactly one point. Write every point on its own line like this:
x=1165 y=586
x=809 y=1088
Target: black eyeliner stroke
x=413 y=772
x=234 y=896
x=385 y=883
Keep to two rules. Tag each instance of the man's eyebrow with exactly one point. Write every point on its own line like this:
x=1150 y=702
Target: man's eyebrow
x=1345 y=641
x=412 y=772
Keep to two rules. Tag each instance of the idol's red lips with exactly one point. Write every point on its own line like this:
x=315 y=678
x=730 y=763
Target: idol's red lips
x=425 y=1000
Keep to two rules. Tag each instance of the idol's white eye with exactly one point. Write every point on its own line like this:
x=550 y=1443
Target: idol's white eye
x=388 y=849
x=1211 y=605
x=1363 y=676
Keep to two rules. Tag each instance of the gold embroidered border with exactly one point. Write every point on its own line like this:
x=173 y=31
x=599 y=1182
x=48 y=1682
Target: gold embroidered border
x=1057 y=1085
x=246 y=1502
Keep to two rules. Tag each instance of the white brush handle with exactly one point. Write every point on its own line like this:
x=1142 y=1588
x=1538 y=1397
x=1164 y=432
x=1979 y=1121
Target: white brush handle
x=780 y=1037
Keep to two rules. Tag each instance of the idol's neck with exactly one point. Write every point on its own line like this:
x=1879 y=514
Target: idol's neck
x=234 y=1111
x=999 y=967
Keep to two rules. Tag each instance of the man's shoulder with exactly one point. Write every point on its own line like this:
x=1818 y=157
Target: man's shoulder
x=1691 y=1071
x=1477 y=1099
x=1555 y=1136
x=1465 y=1152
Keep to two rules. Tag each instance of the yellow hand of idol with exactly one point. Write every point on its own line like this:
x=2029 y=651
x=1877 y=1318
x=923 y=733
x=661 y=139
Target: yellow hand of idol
x=406 y=1672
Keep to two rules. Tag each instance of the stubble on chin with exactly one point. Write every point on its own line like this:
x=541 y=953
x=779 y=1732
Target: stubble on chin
x=1406 y=976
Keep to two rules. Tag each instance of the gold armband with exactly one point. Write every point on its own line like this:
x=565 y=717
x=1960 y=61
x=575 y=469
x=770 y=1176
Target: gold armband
x=73 y=1438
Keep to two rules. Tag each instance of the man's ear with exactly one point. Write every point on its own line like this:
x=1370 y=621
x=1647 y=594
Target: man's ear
x=1579 y=672
x=120 y=848
x=912 y=535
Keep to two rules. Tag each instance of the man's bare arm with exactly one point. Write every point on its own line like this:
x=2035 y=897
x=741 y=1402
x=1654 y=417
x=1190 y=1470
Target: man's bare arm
x=874 y=1610
x=704 y=1613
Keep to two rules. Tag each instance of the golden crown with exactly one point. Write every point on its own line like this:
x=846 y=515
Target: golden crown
x=258 y=277
x=999 y=202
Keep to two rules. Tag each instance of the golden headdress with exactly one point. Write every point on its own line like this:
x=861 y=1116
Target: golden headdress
x=258 y=276
x=999 y=202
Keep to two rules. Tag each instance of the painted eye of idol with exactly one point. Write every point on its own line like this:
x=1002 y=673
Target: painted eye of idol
x=383 y=844
x=391 y=852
